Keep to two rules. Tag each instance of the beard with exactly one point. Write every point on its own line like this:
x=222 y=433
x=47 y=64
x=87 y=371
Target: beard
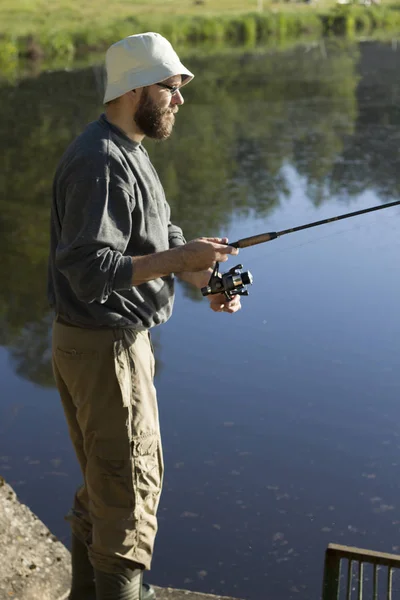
x=153 y=121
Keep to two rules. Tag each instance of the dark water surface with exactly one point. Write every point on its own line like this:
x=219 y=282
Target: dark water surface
x=281 y=424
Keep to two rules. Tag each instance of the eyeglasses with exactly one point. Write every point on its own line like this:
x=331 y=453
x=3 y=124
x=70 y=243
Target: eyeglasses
x=172 y=88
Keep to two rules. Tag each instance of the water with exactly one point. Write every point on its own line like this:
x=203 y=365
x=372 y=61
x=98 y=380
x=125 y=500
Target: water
x=280 y=423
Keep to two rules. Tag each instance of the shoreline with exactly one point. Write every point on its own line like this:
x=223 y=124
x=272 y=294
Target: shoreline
x=36 y=565
x=245 y=30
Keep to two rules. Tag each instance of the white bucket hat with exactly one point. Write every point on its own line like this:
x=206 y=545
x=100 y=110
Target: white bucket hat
x=140 y=60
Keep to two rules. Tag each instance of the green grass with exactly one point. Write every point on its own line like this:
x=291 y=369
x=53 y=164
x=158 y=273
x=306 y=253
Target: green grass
x=24 y=17
x=65 y=28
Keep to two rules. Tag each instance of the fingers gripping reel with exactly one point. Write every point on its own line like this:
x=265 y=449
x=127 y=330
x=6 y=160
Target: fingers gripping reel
x=230 y=284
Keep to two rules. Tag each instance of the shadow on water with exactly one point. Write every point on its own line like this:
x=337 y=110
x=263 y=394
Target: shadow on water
x=329 y=114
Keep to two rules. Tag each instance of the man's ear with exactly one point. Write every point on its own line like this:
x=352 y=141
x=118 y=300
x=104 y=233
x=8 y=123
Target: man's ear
x=135 y=94
x=137 y=91
x=133 y=97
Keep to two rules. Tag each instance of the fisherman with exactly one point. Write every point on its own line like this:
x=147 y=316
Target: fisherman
x=113 y=255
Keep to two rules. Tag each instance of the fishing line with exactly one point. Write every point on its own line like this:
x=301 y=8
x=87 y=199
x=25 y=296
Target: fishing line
x=234 y=281
x=272 y=235
x=329 y=235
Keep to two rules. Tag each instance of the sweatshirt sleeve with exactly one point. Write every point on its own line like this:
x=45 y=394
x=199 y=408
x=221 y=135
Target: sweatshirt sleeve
x=95 y=231
x=175 y=236
x=175 y=233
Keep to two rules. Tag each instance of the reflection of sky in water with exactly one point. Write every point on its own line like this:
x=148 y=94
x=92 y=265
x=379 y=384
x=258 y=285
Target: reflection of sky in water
x=299 y=399
x=281 y=426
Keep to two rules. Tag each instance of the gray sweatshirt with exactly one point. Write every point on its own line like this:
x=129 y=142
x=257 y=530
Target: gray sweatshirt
x=108 y=205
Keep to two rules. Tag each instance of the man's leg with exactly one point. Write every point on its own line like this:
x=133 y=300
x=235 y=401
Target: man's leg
x=82 y=584
x=109 y=375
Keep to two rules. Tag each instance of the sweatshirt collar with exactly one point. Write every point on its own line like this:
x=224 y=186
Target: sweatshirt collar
x=123 y=139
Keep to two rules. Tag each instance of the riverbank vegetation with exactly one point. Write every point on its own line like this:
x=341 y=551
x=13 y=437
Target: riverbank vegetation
x=66 y=28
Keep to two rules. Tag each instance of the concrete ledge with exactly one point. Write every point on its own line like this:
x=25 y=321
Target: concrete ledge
x=34 y=565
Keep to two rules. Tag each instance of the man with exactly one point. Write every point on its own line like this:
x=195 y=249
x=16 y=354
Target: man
x=113 y=256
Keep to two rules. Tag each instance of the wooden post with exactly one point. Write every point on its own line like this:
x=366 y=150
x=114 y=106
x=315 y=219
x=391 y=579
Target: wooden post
x=330 y=589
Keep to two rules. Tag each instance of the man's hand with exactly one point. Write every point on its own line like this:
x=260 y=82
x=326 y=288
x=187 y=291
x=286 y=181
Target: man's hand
x=218 y=303
x=201 y=278
x=202 y=253
x=197 y=256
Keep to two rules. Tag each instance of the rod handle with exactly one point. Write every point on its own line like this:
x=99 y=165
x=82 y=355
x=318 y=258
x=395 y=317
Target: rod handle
x=255 y=239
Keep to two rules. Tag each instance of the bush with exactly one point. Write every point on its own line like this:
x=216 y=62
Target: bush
x=249 y=30
x=264 y=25
x=8 y=58
x=57 y=43
x=363 y=22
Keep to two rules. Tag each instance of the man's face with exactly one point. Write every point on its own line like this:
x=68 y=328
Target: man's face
x=155 y=114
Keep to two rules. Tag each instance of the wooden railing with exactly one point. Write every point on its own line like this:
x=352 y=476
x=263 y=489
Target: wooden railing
x=349 y=584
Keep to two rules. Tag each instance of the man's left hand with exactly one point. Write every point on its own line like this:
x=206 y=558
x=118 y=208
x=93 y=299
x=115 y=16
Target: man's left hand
x=218 y=303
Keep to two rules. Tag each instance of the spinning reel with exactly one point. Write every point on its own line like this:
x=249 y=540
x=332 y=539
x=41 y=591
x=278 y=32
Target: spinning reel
x=230 y=284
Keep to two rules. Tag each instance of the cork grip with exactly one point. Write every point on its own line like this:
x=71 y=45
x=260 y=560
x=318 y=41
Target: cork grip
x=255 y=239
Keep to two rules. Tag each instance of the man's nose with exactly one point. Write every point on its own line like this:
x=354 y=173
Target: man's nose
x=177 y=98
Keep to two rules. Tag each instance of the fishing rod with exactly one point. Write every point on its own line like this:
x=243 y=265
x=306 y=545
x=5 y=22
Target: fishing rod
x=234 y=282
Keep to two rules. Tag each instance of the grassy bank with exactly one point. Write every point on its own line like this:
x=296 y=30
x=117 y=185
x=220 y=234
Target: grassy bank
x=34 y=29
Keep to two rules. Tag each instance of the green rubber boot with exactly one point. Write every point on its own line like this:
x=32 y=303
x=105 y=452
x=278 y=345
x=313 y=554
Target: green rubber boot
x=82 y=586
x=122 y=586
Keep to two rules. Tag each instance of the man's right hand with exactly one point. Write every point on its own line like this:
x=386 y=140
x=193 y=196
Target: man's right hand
x=203 y=253
x=198 y=255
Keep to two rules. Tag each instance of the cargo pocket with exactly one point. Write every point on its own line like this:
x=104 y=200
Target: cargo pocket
x=148 y=472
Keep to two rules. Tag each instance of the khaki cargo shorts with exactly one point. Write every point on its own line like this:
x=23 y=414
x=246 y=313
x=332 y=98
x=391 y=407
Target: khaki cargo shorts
x=105 y=380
